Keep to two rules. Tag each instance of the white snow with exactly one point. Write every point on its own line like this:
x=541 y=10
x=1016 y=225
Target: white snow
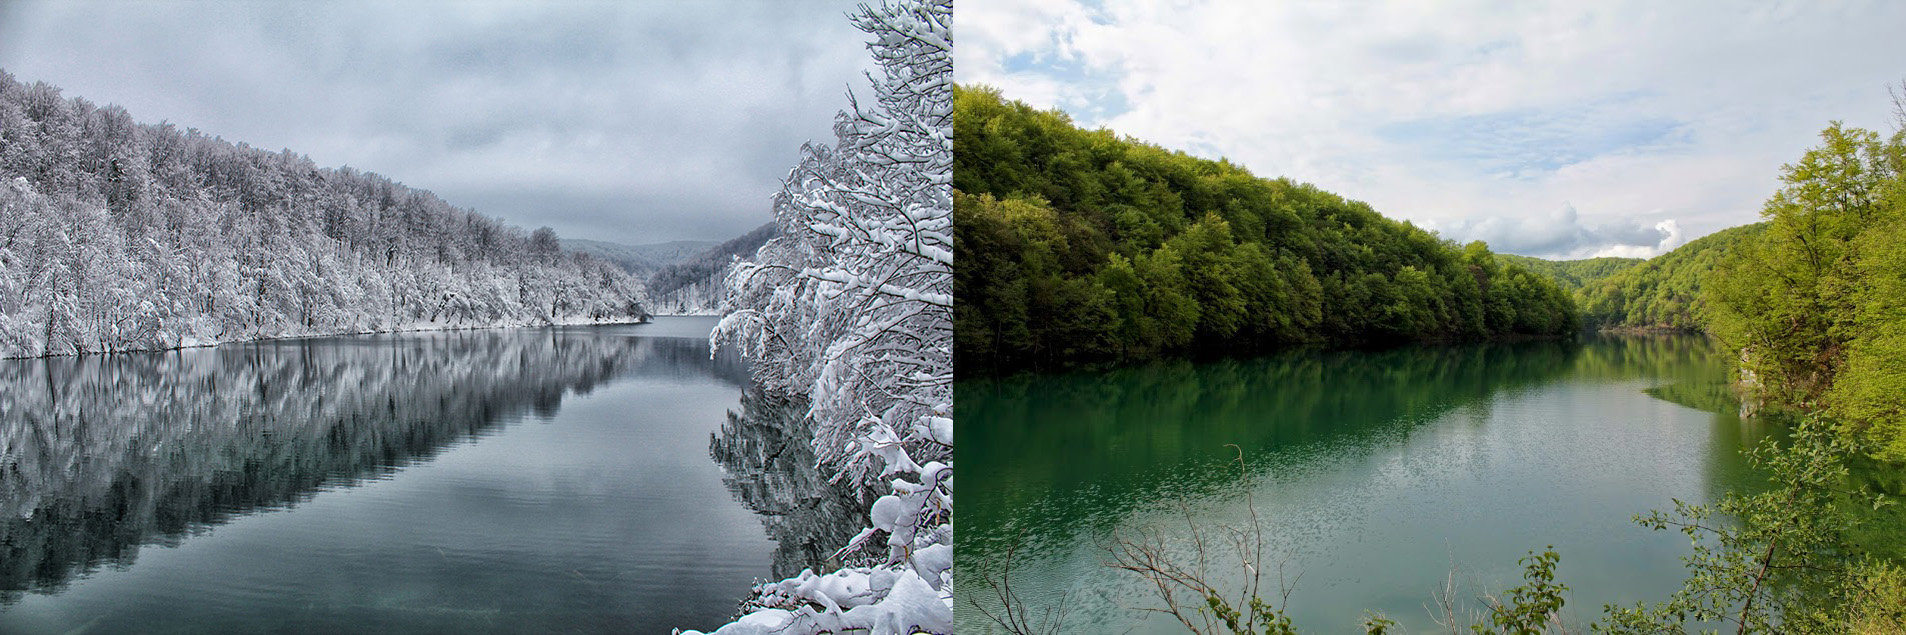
x=852 y=306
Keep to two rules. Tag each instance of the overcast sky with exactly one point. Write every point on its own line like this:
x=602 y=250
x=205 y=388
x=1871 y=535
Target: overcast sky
x=632 y=122
x=1547 y=129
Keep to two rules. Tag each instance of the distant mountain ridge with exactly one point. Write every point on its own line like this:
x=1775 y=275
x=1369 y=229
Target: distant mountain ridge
x=1665 y=291
x=693 y=285
x=1662 y=293
x=1572 y=275
x=644 y=258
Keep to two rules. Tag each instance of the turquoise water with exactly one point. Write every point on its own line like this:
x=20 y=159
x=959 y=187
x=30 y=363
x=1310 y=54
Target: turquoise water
x=1379 y=478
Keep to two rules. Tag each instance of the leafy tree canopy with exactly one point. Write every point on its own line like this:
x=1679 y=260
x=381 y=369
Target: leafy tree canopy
x=1078 y=246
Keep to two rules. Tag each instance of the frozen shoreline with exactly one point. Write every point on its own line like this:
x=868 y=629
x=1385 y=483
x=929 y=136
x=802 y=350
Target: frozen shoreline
x=424 y=327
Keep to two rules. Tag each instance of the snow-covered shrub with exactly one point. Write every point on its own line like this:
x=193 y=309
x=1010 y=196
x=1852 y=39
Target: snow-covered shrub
x=852 y=306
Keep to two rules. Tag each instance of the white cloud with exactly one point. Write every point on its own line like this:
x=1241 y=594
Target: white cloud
x=1566 y=235
x=1453 y=114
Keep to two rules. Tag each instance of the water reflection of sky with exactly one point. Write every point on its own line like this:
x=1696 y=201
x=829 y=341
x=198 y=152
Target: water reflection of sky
x=482 y=481
x=1377 y=475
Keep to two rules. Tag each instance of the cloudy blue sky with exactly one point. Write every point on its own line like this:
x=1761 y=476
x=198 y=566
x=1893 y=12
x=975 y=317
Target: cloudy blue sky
x=1548 y=129
x=625 y=121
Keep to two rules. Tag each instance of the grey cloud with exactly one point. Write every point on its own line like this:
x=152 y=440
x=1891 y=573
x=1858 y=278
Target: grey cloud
x=1565 y=235
x=602 y=118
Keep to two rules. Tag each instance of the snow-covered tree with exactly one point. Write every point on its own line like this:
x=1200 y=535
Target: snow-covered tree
x=852 y=306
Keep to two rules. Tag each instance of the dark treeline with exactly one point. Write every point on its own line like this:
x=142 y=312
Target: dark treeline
x=1077 y=246
x=116 y=235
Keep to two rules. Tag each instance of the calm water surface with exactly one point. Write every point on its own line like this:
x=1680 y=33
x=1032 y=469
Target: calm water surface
x=506 y=481
x=1378 y=476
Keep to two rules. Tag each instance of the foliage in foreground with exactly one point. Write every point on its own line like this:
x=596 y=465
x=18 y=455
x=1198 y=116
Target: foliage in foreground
x=1815 y=306
x=1813 y=303
x=1776 y=561
x=852 y=306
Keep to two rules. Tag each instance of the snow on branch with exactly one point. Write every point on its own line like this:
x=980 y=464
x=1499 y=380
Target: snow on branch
x=852 y=306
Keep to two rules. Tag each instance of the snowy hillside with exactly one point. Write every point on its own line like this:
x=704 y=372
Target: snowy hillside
x=116 y=235
x=694 y=286
x=640 y=259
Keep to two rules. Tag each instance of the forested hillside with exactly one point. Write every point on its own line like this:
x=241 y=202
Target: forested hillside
x=1663 y=292
x=1572 y=275
x=694 y=286
x=116 y=235
x=1077 y=246
x=640 y=259
x=1814 y=304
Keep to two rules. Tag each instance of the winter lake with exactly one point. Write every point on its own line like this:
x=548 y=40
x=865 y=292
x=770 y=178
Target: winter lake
x=1378 y=476
x=508 y=481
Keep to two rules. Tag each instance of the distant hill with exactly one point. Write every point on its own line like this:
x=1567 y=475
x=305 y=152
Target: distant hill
x=1664 y=291
x=1572 y=275
x=692 y=286
x=639 y=258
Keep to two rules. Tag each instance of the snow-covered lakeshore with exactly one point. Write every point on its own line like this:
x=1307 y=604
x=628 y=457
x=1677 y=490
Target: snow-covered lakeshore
x=117 y=236
x=421 y=327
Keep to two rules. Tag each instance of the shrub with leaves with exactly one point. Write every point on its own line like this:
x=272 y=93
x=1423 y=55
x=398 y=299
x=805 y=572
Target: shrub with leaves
x=1775 y=561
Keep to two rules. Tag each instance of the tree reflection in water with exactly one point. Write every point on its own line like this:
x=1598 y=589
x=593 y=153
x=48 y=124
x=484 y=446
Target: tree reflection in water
x=768 y=454
x=102 y=454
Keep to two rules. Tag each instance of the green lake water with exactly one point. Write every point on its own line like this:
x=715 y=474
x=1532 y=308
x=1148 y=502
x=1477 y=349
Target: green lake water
x=1378 y=477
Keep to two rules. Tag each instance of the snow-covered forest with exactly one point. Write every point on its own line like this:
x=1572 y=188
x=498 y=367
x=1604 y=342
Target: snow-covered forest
x=695 y=286
x=116 y=235
x=852 y=307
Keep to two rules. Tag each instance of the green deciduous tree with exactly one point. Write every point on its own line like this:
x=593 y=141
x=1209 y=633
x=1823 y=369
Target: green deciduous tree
x=1085 y=247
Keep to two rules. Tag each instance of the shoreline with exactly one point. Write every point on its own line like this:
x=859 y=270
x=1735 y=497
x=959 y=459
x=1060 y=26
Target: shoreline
x=1649 y=330
x=409 y=328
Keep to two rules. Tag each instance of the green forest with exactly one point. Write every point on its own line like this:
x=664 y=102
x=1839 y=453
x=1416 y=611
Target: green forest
x=1663 y=292
x=1810 y=304
x=1081 y=247
x=1814 y=304
x=1811 y=300
x=1572 y=275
